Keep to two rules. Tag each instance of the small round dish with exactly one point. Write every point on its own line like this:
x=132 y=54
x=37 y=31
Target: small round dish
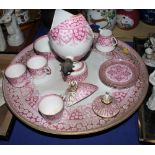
x=51 y=107
x=105 y=110
x=118 y=73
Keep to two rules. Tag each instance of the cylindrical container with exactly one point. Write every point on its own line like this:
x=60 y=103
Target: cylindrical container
x=127 y=19
x=17 y=75
x=38 y=67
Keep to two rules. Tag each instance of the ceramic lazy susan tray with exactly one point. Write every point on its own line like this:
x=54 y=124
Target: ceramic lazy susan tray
x=80 y=118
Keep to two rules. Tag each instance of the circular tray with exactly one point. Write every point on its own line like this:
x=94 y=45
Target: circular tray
x=80 y=118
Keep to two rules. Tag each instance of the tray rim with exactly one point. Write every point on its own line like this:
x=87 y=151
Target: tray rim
x=36 y=127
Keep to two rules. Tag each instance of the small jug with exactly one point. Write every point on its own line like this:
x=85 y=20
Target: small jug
x=106 y=42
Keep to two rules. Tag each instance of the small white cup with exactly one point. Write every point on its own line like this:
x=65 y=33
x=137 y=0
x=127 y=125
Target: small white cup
x=42 y=47
x=37 y=66
x=51 y=107
x=17 y=74
x=149 y=53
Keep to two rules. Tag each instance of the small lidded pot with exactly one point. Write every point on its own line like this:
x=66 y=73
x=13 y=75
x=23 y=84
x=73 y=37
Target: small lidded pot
x=51 y=107
x=105 y=106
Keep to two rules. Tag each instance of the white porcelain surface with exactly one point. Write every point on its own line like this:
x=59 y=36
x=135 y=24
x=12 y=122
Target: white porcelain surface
x=16 y=70
x=79 y=118
x=60 y=16
x=72 y=38
x=17 y=74
x=50 y=104
x=42 y=47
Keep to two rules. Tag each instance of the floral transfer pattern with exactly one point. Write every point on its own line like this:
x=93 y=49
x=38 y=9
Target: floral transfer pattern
x=79 y=119
x=72 y=31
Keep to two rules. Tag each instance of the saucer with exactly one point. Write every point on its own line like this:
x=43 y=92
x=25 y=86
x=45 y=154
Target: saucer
x=118 y=73
x=105 y=110
x=148 y=62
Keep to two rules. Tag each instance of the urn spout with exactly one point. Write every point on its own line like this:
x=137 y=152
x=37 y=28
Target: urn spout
x=67 y=67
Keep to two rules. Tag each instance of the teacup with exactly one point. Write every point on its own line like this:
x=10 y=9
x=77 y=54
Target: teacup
x=51 y=107
x=17 y=74
x=106 y=42
x=38 y=67
x=42 y=47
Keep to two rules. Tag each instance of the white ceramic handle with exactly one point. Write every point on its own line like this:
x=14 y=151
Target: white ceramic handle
x=114 y=41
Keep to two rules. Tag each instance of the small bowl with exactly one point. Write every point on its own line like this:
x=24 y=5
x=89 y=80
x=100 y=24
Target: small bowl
x=51 y=107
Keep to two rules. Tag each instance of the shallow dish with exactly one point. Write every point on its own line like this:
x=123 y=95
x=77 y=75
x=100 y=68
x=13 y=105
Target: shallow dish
x=118 y=73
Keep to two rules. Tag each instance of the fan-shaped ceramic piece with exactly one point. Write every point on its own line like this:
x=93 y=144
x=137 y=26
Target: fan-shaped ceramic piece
x=78 y=92
x=60 y=16
x=105 y=110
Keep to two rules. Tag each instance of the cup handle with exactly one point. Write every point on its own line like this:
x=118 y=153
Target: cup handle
x=47 y=70
x=114 y=41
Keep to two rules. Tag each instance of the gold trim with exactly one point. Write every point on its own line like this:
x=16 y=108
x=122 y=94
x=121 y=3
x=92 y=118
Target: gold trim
x=119 y=119
x=81 y=132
